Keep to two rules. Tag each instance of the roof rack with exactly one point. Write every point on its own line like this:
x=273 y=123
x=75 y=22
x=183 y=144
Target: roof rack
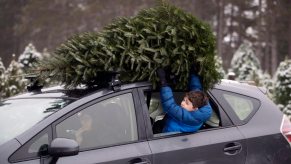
x=115 y=83
x=33 y=85
x=110 y=79
x=250 y=82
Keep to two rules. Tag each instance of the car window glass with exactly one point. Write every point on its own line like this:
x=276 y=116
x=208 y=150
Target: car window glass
x=35 y=146
x=241 y=106
x=108 y=122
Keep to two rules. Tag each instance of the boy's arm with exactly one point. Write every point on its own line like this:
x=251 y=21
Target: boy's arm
x=177 y=112
x=195 y=83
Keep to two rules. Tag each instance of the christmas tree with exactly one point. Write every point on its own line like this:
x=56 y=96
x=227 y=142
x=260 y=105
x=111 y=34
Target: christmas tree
x=244 y=63
x=162 y=36
x=219 y=66
x=2 y=79
x=282 y=88
x=267 y=82
x=29 y=57
x=14 y=80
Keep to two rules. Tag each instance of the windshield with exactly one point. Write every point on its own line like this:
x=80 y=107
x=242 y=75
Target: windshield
x=18 y=115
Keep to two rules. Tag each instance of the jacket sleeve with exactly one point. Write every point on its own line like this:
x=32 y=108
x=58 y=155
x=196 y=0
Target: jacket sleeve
x=178 y=113
x=206 y=110
x=195 y=83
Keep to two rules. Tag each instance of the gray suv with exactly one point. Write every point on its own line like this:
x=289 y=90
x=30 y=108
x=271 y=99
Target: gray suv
x=122 y=124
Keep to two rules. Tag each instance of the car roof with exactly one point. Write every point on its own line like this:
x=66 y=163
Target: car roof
x=81 y=91
x=243 y=87
x=76 y=93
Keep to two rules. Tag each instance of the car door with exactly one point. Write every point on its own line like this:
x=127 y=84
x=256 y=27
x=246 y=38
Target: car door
x=249 y=111
x=108 y=130
x=221 y=144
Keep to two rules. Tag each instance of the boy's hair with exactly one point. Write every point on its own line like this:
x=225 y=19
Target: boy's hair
x=198 y=98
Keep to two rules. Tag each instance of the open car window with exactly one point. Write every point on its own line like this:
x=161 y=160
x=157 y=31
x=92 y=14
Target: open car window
x=158 y=117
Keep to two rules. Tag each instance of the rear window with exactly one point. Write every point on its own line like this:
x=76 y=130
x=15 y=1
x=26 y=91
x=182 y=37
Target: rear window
x=18 y=115
x=240 y=107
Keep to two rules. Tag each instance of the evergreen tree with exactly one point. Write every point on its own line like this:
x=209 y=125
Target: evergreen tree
x=162 y=36
x=29 y=57
x=219 y=65
x=268 y=83
x=282 y=88
x=236 y=22
x=14 y=81
x=45 y=53
x=2 y=79
x=245 y=64
x=246 y=67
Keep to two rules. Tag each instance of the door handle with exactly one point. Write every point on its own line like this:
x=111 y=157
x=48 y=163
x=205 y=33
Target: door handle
x=143 y=162
x=232 y=148
x=139 y=161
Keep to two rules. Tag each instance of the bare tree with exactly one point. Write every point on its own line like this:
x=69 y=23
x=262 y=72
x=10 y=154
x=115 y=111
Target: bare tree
x=220 y=28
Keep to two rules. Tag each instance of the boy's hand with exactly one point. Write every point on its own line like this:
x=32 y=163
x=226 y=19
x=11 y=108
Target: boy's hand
x=195 y=68
x=162 y=76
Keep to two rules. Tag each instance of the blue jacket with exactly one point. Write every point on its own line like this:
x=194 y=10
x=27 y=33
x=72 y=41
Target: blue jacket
x=179 y=119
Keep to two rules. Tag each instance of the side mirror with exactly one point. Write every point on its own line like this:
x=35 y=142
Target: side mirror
x=61 y=147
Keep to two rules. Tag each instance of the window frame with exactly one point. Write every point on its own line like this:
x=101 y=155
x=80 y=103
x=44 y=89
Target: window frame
x=139 y=116
x=144 y=108
x=218 y=94
x=224 y=118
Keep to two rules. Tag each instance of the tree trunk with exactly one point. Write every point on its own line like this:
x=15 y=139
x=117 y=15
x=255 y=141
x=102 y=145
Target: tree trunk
x=220 y=26
x=260 y=36
x=231 y=27
x=274 y=54
x=271 y=58
x=289 y=41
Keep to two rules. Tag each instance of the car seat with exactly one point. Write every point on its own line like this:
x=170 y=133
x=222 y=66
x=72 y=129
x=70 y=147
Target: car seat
x=213 y=120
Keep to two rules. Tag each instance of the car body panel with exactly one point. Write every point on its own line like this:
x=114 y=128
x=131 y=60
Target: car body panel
x=262 y=130
x=115 y=155
x=7 y=149
x=242 y=88
x=202 y=147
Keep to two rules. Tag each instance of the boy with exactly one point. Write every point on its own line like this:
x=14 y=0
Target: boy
x=194 y=109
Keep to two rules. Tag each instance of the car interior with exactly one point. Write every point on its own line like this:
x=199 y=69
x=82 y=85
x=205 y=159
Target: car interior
x=158 y=117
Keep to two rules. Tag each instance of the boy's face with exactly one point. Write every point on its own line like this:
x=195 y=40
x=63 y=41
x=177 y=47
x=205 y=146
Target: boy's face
x=187 y=104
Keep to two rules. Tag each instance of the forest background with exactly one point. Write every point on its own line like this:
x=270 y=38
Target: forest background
x=27 y=25
x=46 y=24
